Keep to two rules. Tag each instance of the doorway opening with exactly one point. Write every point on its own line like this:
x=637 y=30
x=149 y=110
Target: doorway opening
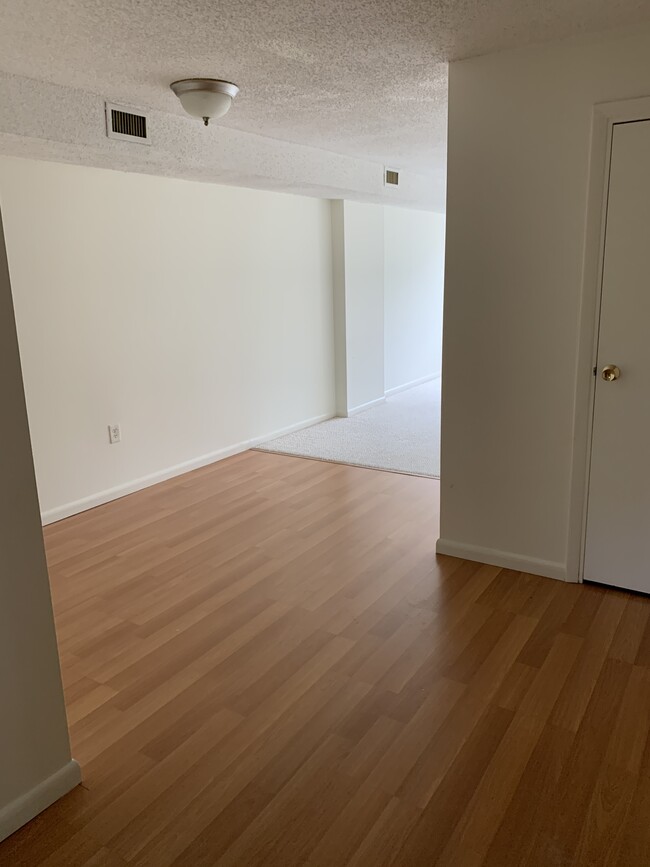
x=389 y=296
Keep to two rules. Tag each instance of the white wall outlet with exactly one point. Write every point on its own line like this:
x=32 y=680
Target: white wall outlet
x=114 y=434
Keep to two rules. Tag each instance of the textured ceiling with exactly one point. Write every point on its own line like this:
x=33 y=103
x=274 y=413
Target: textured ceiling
x=365 y=78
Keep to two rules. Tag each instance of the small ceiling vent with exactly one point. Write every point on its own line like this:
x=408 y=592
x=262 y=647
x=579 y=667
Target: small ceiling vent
x=126 y=124
x=391 y=177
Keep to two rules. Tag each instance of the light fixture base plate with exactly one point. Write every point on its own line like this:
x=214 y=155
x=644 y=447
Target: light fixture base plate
x=214 y=85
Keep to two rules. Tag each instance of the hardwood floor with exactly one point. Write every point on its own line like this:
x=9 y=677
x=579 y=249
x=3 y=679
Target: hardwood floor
x=266 y=664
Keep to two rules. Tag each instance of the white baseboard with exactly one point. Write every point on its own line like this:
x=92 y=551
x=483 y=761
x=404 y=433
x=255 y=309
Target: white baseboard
x=24 y=809
x=364 y=406
x=504 y=559
x=405 y=387
x=65 y=511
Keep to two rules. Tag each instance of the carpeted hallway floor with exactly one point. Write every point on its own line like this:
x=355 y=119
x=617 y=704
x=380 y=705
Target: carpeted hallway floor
x=402 y=435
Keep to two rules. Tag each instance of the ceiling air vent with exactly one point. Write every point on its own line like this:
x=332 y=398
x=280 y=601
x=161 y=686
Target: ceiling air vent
x=391 y=177
x=126 y=124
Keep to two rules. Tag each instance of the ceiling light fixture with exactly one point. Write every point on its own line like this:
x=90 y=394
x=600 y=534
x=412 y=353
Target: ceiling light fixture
x=207 y=98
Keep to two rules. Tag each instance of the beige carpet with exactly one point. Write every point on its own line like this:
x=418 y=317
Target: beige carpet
x=402 y=435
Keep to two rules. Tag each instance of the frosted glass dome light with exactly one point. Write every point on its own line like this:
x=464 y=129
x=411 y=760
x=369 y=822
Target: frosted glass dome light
x=207 y=98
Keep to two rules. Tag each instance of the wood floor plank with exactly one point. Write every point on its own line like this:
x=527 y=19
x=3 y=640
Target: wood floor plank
x=444 y=810
x=425 y=777
x=629 y=635
x=634 y=835
x=385 y=843
x=601 y=835
x=266 y=663
x=493 y=793
x=516 y=836
x=561 y=832
x=573 y=701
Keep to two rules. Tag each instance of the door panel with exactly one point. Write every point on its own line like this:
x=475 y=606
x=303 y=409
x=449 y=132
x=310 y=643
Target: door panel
x=618 y=518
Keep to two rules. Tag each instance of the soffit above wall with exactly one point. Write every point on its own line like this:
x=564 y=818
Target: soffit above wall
x=50 y=122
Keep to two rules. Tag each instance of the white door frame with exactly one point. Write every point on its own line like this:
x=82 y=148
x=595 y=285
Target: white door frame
x=605 y=116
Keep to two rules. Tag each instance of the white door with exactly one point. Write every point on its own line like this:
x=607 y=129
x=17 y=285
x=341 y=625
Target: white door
x=618 y=517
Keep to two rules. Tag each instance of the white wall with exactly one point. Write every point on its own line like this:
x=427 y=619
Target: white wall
x=338 y=287
x=358 y=277
x=364 y=302
x=199 y=317
x=35 y=763
x=519 y=147
x=414 y=254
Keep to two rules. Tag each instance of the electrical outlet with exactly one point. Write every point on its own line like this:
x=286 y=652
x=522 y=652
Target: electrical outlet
x=114 y=434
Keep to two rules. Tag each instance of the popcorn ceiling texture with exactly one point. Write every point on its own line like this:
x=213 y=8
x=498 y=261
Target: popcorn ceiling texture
x=50 y=122
x=362 y=78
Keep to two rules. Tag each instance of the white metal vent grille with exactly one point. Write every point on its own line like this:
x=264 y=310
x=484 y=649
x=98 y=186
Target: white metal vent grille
x=391 y=177
x=126 y=124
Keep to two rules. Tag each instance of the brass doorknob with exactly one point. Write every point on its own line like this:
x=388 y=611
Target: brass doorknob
x=610 y=372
